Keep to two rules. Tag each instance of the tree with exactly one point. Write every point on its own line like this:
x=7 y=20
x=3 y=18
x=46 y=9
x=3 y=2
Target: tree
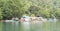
x=14 y=8
x=0 y=14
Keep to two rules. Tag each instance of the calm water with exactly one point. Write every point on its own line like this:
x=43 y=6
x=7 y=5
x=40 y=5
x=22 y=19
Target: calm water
x=25 y=26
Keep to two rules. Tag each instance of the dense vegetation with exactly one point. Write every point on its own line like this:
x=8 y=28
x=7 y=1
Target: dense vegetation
x=17 y=8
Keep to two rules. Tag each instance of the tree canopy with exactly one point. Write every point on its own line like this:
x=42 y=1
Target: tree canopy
x=17 y=8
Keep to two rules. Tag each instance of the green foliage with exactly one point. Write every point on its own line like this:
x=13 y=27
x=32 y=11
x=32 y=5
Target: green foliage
x=0 y=14
x=17 y=8
x=14 y=8
x=44 y=13
x=32 y=15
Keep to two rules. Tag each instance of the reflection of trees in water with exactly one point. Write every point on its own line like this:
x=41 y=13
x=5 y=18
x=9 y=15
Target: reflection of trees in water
x=36 y=27
x=31 y=27
x=7 y=26
x=25 y=26
x=11 y=26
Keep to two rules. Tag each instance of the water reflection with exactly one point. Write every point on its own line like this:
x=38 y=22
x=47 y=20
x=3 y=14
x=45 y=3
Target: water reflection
x=29 y=26
x=8 y=26
x=25 y=26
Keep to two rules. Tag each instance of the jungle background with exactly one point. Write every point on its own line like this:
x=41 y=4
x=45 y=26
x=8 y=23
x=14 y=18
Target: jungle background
x=18 y=8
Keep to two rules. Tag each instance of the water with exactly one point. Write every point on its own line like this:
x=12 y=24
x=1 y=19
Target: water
x=26 y=26
x=0 y=26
